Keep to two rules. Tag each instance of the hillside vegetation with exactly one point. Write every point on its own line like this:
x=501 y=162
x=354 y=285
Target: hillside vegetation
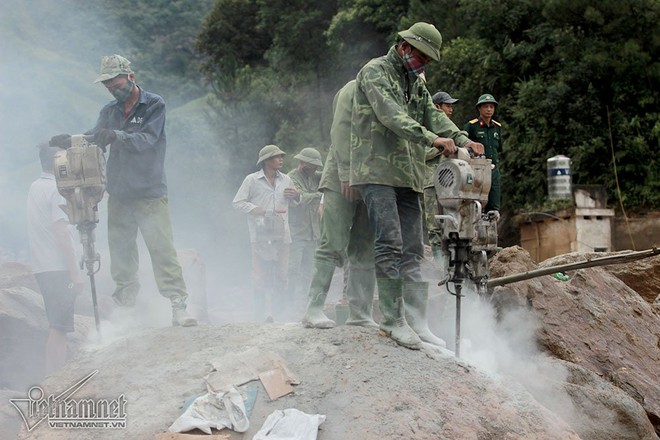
x=579 y=78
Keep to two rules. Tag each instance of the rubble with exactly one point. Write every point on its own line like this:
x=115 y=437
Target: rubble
x=594 y=370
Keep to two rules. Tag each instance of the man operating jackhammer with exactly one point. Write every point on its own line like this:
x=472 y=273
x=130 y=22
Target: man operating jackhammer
x=133 y=125
x=393 y=120
x=345 y=230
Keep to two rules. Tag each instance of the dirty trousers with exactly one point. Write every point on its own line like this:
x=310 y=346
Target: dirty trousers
x=345 y=233
x=152 y=218
x=395 y=215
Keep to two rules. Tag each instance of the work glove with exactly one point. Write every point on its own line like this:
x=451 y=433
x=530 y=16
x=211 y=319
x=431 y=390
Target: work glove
x=61 y=141
x=105 y=137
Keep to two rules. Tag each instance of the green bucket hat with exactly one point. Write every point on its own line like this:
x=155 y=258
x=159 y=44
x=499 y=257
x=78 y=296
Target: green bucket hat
x=483 y=99
x=425 y=37
x=269 y=151
x=310 y=155
x=113 y=65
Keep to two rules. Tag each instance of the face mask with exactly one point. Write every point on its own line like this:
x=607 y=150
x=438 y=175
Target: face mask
x=411 y=63
x=122 y=94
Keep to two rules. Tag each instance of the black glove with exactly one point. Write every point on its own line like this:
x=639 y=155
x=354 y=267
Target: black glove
x=105 y=137
x=60 y=141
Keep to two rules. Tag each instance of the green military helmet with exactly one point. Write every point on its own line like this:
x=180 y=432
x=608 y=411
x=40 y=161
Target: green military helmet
x=485 y=98
x=310 y=155
x=425 y=37
x=112 y=66
x=269 y=151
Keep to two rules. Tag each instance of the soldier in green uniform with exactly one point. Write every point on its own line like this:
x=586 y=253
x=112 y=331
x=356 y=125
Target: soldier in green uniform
x=345 y=230
x=393 y=121
x=304 y=224
x=488 y=131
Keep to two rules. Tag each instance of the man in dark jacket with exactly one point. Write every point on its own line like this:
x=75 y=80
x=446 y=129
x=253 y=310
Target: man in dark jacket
x=133 y=125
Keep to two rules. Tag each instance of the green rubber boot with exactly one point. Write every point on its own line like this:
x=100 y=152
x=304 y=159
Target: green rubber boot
x=361 y=285
x=393 y=324
x=318 y=291
x=416 y=298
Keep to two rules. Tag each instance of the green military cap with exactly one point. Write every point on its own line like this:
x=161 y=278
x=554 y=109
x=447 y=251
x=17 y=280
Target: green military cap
x=486 y=98
x=113 y=65
x=425 y=37
x=269 y=151
x=310 y=155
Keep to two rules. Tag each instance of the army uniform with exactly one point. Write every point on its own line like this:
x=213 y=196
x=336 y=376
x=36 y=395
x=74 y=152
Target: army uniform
x=345 y=230
x=393 y=121
x=491 y=137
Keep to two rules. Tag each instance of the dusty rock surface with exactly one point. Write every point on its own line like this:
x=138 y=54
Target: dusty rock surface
x=15 y=274
x=593 y=320
x=524 y=373
x=367 y=386
x=643 y=276
x=23 y=333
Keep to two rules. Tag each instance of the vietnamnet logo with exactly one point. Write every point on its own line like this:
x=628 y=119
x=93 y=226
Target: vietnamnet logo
x=65 y=412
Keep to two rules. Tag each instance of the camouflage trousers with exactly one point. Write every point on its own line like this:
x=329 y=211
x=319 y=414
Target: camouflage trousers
x=152 y=218
x=345 y=233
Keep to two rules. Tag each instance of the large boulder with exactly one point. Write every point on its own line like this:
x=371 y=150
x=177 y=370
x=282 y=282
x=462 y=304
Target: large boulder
x=593 y=320
x=15 y=274
x=23 y=333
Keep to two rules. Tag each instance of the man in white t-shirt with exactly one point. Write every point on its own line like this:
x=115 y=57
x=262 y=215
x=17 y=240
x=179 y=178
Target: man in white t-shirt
x=53 y=258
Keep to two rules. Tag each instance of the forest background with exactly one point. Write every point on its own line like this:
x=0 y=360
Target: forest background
x=574 y=77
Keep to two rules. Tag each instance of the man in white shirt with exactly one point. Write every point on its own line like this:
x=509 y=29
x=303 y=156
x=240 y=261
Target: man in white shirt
x=54 y=261
x=265 y=196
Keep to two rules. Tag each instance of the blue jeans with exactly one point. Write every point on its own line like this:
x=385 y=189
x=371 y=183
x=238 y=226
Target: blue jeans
x=395 y=215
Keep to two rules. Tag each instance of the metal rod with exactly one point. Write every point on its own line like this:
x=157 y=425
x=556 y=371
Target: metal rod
x=459 y=287
x=603 y=261
x=95 y=304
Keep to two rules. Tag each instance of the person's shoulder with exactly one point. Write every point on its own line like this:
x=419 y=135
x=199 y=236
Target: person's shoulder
x=151 y=97
x=473 y=121
x=373 y=67
x=496 y=123
x=253 y=176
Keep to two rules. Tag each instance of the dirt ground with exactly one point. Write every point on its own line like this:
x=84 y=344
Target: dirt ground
x=503 y=387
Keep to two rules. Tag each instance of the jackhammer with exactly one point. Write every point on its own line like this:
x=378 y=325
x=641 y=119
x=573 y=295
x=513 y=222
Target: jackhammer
x=80 y=177
x=462 y=183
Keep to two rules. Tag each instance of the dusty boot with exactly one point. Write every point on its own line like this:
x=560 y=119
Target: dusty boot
x=393 y=324
x=416 y=298
x=318 y=290
x=182 y=318
x=361 y=285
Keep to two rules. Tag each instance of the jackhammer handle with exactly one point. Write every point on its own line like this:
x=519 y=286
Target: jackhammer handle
x=462 y=153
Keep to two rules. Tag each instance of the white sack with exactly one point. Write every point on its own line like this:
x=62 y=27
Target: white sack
x=214 y=410
x=290 y=424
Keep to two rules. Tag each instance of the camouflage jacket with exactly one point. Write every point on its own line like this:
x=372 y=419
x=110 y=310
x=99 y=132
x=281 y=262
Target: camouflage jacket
x=337 y=164
x=304 y=221
x=393 y=121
